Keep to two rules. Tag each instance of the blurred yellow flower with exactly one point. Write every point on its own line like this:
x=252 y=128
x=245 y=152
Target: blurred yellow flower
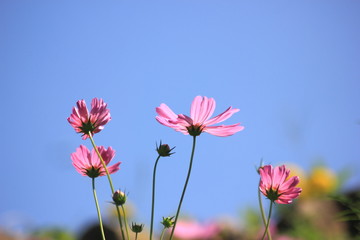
x=322 y=181
x=319 y=182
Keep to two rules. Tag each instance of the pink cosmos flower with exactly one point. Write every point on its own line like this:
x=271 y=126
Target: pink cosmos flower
x=83 y=122
x=276 y=186
x=199 y=121
x=88 y=163
x=195 y=230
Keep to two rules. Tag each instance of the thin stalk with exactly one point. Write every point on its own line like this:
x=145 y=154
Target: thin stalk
x=98 y=210
x=110 y=182
x=136 y=236
x=125 y=219
x=268 y=223
x=162 y=233
x=102 y=162
x=186 y=183
x=263 y=213
x=153 y=199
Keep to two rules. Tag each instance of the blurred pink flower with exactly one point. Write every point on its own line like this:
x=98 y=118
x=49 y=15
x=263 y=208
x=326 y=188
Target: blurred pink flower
x=83 y=122
x=276 y=186
x=88 y=163
x=195 y=230
x=201 y=110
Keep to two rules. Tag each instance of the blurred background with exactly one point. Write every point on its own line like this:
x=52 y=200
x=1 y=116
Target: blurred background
x=291 y=67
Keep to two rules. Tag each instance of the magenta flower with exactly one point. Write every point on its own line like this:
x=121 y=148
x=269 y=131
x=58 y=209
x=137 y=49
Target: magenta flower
x=88 y=163
x=199 y=121
x=276 y=186
x=83 y=122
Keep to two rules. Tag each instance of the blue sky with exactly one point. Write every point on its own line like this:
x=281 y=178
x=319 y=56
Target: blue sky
x=291 y=67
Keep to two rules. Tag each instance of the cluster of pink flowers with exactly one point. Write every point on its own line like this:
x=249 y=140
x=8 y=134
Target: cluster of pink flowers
x=275 y=183
x=85 y=162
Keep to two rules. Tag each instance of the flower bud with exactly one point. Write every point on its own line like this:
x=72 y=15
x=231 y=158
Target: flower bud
x=167 y=222
x=164 y=150
x=137 y=228
x=119 y=198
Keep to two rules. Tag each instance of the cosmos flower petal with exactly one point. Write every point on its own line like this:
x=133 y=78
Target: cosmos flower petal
x=279 y=176
x=290 y=183
x=265 y=176
x=201 y=109
x=224 y=130
x=222 y=116
x=82 y=110
x=83 y=122
x=165 y=112
x=275 y=185
x=114 y=168
x=199 y=121
x=83 y=160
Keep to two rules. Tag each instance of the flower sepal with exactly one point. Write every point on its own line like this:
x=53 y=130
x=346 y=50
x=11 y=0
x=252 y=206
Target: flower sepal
x=119 y=198
x=137 y=228
x=164 y=150
x=167 y=222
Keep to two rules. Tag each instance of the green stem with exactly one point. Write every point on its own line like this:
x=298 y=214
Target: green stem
x=153 y=198
x=186 y=183
x=102 y=162
x=120 y=222
x=268 y=223
x=98 y=210
x=263 y=213
x=125 y=219
x=136 y=236
x=162 y=233
x=110 y=181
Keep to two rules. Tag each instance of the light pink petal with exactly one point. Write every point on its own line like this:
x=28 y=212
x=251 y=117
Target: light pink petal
x=222 y=116
x=79 y=169
x=107 y=154
x=83 y=155
x=279 y=176
x=265 y=176
x=82 y=110
x=94 y=159
x=99 y=114
x=208 y=108
x=184 y=120
x=80 y=159
x=201 y=109
x=114 y=168
x=195 y=108
x=291 y=192
x=224 y=130
x=284 y=200
x=165 y=112
x=287 y=198
x=84 y=137
x=263 y=189
x=164 y=121
x=294 y=194
x=290 y=183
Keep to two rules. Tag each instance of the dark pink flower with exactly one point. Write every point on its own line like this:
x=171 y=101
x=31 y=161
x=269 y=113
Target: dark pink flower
x=88 y=163
x=199 y=121
x=276 y=186
x=83 y=122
